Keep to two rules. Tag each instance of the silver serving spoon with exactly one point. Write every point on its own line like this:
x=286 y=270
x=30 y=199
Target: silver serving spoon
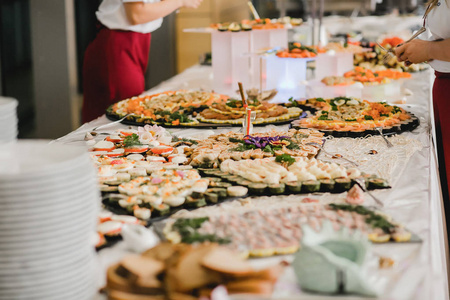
x=380 y=130
x=361 y=183
x=332 y=155
x=111 y=123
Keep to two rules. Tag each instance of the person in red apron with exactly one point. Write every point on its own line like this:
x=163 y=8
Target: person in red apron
x=437 y=52
x=115 y=62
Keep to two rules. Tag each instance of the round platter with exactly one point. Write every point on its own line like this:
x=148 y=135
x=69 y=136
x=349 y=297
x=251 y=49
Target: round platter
x=405 y=126
x=132 y=121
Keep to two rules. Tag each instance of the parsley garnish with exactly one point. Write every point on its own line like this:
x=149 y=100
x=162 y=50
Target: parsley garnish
x=285 y=158
x=131 y=140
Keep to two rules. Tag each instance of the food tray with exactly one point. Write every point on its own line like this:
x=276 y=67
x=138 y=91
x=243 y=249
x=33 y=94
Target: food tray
x=133 y=122
x=337 y=187
x=121 y=211
x=159 y=230
x=413 y=123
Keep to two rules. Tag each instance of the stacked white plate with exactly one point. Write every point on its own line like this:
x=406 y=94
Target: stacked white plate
x=8 y=119
x=48 y=207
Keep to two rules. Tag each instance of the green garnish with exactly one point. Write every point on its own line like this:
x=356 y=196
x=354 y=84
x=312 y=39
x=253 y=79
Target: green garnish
x=396 y=109
x=293 y=102
x=323 y=117
x=233 y=103
x=188 y=230
x=169 y=117
x=131 y=140
x=366 y=117
x=285 y=158
x=176 y=139
x=373 y=219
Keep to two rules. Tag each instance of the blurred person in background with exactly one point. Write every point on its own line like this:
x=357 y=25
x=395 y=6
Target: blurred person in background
x=437 y=52
x=115 y=62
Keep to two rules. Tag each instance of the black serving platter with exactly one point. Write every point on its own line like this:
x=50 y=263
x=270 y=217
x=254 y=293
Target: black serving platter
x=409 y=125
x=131 y=121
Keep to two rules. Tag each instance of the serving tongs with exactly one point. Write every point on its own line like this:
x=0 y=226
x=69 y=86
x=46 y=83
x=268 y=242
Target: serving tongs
x=388 y=143
x=391 y=52
x=362 y=184
x=332 y=155
x=90 y=134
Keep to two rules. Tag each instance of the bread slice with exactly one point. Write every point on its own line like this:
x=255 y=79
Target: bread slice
x=120 y=295
x=250 y=286
x=271 y=274
x=160 y=252
x=187 y=272
x=140 y=267
x=226 y=261
x=116 y=282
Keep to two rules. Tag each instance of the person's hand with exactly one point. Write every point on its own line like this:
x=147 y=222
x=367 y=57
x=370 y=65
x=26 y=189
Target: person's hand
x=416 y=51
x=191 y=3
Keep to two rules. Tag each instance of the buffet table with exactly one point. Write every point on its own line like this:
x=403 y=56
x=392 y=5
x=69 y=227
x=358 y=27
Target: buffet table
x=420 y=270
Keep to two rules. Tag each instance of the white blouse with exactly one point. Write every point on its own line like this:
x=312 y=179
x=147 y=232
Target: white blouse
x=111 y=14
x=438 y=22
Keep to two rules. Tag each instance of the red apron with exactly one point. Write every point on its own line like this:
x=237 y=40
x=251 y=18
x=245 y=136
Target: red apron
x=113 y=69
x=441 y=103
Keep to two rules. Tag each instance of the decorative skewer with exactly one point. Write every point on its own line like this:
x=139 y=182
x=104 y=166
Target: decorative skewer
x=253 y=10
x=241 y=90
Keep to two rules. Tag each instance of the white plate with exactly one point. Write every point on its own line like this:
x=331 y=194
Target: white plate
x=84 y=169
x=50 y=211
x=43 y=251
x=52 y=196
x=32 y=268
x=17 y=232
x=82 y=228
x=21 y=209
x=83 y=289
x=39 y=255
x=37 y=158
x=29 y=227
x=64 y=276
x=8 y=122
x=8 y=103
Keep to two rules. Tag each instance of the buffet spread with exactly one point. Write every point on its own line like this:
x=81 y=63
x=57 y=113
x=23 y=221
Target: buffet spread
x=322 y=179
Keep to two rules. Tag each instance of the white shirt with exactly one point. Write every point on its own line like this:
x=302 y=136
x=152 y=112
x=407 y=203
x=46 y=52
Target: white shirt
x=111 y=13
x=438 y=22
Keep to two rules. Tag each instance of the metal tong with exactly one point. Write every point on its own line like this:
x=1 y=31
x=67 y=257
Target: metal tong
x=391 y=52
x=332 y=155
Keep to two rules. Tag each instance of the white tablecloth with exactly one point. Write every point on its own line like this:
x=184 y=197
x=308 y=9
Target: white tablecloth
x=420 y=271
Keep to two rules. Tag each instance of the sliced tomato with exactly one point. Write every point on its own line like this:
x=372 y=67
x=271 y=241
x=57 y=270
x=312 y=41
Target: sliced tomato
x=126 y=133
x=116 y=140
x=135 y=150
x=162 y=149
